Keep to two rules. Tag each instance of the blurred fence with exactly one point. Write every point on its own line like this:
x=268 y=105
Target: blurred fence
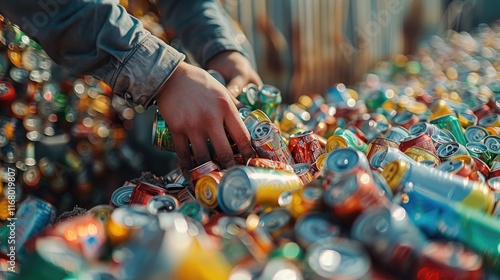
x=305 y=46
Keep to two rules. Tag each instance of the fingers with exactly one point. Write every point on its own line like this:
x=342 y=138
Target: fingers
x=183 y=154
x=222 y=147
x=200 y=149
x=254 y=78
x=235 y=85
x=240 y=135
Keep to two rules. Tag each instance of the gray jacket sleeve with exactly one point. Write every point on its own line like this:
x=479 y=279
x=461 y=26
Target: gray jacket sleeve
x=98 y=37
x=202 y=26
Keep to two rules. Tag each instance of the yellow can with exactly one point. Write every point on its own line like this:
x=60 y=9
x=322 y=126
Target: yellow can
x=206 y=189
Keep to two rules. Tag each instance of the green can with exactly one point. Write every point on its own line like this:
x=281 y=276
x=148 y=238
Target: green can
x=451 y=123
x=344 y=138
x=268 y=100
x=248 y=95
x=162 y=136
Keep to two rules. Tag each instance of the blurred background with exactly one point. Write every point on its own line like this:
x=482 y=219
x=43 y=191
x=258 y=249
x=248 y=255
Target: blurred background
x=94 y=143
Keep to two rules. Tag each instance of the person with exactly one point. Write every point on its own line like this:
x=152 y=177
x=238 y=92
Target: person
x=100 y=38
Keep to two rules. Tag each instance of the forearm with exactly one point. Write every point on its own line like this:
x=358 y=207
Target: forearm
x=201 y=25
x=99 y=38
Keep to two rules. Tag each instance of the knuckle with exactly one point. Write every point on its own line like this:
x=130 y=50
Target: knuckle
x=226 y=158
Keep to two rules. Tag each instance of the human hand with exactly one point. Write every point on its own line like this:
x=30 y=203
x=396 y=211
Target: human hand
x=197 y=107
x=235 y=69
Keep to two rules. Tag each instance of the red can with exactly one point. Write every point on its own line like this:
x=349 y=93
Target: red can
x=143 y=192
x=448 y=260
x=267 y=163
x=203 y=169
x=358 y=132
x=481 y=110
x=405 y=119
x=352 y=195
x=268 y=143
x=7 y=92
x=421 y=140
x=305 y=147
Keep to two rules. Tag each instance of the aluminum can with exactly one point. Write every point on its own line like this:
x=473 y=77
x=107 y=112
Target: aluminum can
x=162 y=136
x=492 y=119
x=302 y=200
x=248 y=95
x=276 y=221
x=377 y=144
x=267 y=163
x=203 y=169
x=390 y=236
x=475 y=134
x=344 y=161
x=424 y=127
x=206 y=189
x=269 y=144
x=387 y=154
x=450 y=122
x=195 y=211
x=421 y=140
x=423 y=156
x=254 y=118
x=242 y=187
x=353 y=262
x=344 y=138
x=127 y=222
x=448 y=260
x=405 y=119
x=7 y=92
x=445 y=185
x=184 y=196
x=439 y=109
x=451 y=149
x=492 y=143
x=101 y=212
x=466 y=119
x=360 y=134
x=493 y=130
x=268 y=100
x=314 y=226
x=458 y=168
x=397 y=133
x=143 y=192
x=32 y=216
x=305 y=147
x=352 y=194
x=479 y=150
x=162 y=203
x=121 y=196
x=303 y=171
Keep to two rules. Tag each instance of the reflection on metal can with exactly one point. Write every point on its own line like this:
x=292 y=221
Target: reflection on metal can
x=102 y=212
x=303 y=171
x=459 y=168
x=492 y=143
x=121 y=196
x=254 y=118
x=206 y=189
x=448 y=260
x=421 y=155
x=475 y=134
x=344 y=138
x=314 y=226
x=143 y=192
x=479 y=150
x=377 y=144
x=248 y=95
x=345 y=161
x=390 y=236
x=421 y=140
x=269 y=144
x=445 y=185
x=203 y=169
x=303 y=200
x=242 y=187
x=450 y=122
x=490 y=120
x=162 y=203
x=305 y=147
x=267 y=163
x=352 y=194
x=451 y=149
x=276 y=222
x=352 y=261
x=405 y=119
x=424 y=127
x=397 y=133
x=268 y=100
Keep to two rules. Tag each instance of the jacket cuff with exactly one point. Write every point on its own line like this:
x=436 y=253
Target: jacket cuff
x=143 y=72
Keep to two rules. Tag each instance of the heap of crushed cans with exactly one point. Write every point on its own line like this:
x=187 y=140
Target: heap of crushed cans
x=398 y=180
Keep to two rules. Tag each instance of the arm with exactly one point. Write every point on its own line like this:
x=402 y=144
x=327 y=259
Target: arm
x=204 y=29
x=98 y=38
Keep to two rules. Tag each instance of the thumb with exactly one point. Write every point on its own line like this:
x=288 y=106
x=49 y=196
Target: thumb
x=235 y=85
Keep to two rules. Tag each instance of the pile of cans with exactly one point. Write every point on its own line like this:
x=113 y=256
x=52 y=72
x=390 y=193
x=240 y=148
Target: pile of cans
x=398 y=180
x=59 y=132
